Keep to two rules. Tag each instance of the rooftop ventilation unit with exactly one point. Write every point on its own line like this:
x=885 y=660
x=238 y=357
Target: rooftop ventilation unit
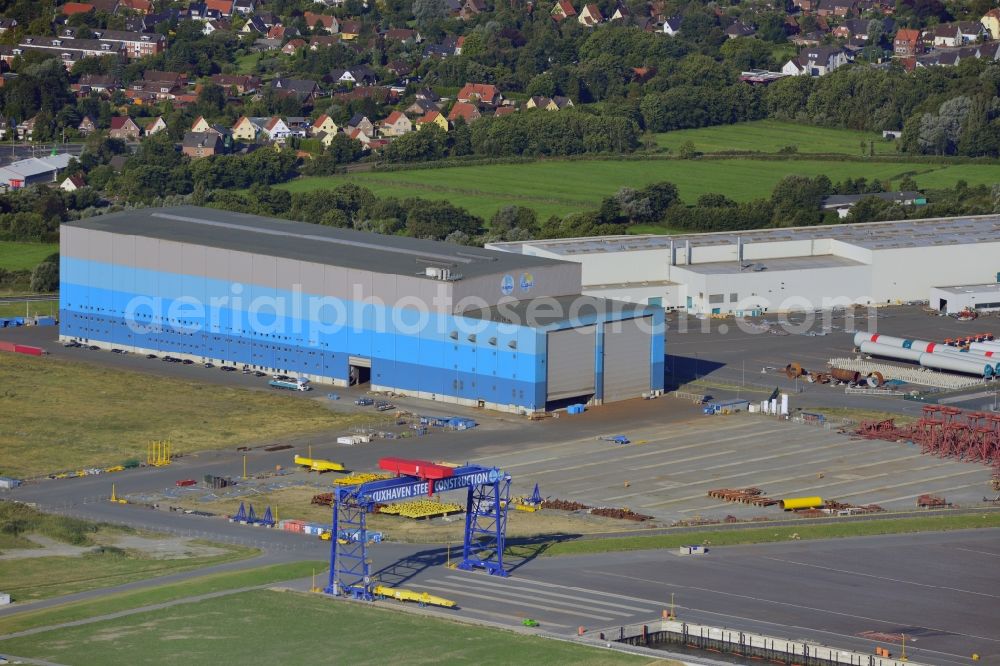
x=438 y=273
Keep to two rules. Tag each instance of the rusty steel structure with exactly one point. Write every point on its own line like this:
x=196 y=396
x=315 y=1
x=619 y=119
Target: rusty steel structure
x=946 y=432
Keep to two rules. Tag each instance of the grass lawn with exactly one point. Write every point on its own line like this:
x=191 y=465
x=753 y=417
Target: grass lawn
x=555 y=187
x=24 y=256
x=33 y=578
x=32 y=308
x=936 y=523
x=769 y=136
x=264 y=626
x=247 y=64
x=64 y=415
x=80 y=610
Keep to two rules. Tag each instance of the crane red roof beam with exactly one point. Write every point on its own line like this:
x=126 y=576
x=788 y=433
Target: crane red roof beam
x=422 y=469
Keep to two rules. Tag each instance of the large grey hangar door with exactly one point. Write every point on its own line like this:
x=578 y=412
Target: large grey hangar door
x=570 y=363
x=627 y=346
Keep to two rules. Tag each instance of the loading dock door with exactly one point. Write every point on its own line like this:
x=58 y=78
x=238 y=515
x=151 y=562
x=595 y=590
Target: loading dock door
x=627 y=358
x=570 y=363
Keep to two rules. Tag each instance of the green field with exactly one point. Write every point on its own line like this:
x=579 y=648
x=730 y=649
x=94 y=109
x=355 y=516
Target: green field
x=31 y=308
x=114 y=603
x=554 y=187
x=34 y=578
x=936 y=523
x=48 y=555
x=269 y=627
x=63 y=415
x=24 y=256
x=770 y=136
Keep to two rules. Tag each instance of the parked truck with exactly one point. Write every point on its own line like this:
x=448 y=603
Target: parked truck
x=290 y=384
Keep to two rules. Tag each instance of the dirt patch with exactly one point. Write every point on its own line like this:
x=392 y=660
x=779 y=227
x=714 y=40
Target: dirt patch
x=295 y=502
x=167 y=548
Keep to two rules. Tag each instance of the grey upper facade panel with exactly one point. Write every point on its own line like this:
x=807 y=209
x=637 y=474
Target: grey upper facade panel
x=253 y=234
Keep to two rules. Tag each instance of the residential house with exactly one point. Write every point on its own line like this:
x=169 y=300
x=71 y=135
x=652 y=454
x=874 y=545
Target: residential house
x=293 y=45
x=622 y=13
x=86 y=126
x=298 y=126
x=504 y=111
x=359 y=75
x=907 y=43
x=739 y=29
x=396 y=124
x=73 y=183
x=350 y=29
x=362 y=136
x=7 y=24
x=836 y=7
x=74 y=8
x=816 y=61
x=123 y=127
x=97 y=83
x=201 y=144
x=140 y=6
x=137 y=44
x=958 y=33
x=324 y=123
x=26 y=129
x=303 y=89
x=360 y=122
x=421 y=107
x=241 y=84
x=276 y=129
x=672 y=25
x=404 y=35
x=471 y=9
x=224 y=7
x=991 y=22
x=154 y=126
x=69 y=51
x=433 y=118
x=556 y=103
x=246 y=130
x=317 y=42
x=200 y=125
x=199 y=11
x=244 y=7
x=464 y=110
x=563 y=9
x=325 y=22
x=590 y=16
x=254 y=26
x=479 y=93
x=107 y=6
x=216 y=25
x=325 y=138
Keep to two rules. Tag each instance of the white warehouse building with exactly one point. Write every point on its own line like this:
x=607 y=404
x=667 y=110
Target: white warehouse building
x=750 y=272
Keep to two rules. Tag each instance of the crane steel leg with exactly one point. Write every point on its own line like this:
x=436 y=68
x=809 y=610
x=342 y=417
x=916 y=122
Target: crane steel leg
x=486 y=527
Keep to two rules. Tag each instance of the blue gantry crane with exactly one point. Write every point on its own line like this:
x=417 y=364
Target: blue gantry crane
x=488 y=496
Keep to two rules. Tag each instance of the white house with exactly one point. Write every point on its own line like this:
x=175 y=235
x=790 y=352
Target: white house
x=276 y=129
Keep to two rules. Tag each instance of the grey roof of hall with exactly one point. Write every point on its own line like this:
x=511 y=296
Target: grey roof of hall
x=314 y=243
x=751 y=266
x=929 y=232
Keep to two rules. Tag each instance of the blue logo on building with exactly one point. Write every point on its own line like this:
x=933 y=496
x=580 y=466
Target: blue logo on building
x=507 y=285
x=527 y=281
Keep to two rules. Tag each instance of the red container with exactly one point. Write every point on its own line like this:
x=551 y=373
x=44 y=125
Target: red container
x=31 y=351
x=185 y=482
x=7 y=346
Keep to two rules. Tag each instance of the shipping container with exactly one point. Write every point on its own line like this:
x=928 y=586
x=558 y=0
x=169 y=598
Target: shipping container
x=30 y=351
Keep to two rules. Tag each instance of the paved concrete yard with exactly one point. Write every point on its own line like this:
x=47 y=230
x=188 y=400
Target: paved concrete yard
x=667 y=470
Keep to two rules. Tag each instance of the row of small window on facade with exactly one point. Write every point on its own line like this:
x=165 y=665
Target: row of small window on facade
x=188 y=323
x=187 y=326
